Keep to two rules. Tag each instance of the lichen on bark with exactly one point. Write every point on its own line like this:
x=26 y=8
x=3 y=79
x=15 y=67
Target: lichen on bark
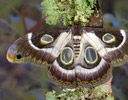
x=102 y=92
x=69 y=12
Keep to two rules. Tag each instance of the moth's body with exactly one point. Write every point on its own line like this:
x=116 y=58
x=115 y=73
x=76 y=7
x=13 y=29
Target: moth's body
x=74 y=56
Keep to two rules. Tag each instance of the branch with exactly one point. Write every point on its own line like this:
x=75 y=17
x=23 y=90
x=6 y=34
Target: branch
x=84 y=13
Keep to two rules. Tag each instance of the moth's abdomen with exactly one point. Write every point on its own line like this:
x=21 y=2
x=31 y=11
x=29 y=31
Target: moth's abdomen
x=76 y=45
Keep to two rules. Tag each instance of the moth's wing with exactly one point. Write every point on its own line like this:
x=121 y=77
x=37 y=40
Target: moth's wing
x=112 y=45
x=38 y=48
x=91 y=68
x=62 y=71
x=109 y=48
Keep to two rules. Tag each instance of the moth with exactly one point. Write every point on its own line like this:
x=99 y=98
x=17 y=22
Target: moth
x=74 y=56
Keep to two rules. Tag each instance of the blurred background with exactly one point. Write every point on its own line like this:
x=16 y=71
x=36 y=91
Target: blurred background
x=25 y=82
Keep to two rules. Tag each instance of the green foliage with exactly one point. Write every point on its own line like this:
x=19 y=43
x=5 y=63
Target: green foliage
x=68 y=11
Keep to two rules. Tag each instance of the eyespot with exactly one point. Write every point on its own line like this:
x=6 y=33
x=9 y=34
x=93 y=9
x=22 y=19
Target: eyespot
x=91 y=56
x=46 y=39
x=19 y=55
x=108 y=38
x=66 y=56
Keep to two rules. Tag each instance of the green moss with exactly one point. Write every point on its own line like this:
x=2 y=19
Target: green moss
x=68 y=11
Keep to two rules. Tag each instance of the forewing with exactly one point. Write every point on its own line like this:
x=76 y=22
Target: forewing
x=38 y=48
x=114 y=45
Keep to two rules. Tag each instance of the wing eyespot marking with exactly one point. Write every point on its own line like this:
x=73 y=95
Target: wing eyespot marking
x=108 y=38
x=46 y=39
x=91 y=56
x=19 y=55
x=66 y=56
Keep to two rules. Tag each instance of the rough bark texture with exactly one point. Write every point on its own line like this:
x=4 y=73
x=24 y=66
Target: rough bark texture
x=96 y=19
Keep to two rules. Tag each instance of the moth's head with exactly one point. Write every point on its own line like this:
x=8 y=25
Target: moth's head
x=15 y=53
